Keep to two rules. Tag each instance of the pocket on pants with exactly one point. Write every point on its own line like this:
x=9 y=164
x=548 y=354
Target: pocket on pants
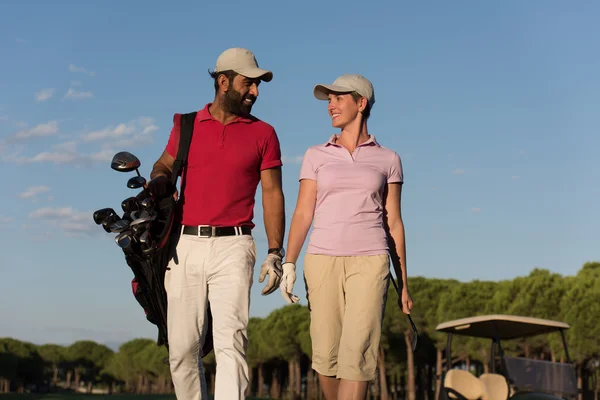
x=175 y=273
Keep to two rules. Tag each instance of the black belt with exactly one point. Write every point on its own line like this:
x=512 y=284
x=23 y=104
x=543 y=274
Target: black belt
x=214 y=231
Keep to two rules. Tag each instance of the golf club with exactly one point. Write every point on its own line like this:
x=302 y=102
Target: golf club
x=136 y=182
x=147 y=203
x=124 y=161
x=130 y=204
x=109 y=221
x=415 y=338
x=119 y=226
x=102 y=214
x=124 y=241
x=146 y=242
x=138 y=229
x=141 y=220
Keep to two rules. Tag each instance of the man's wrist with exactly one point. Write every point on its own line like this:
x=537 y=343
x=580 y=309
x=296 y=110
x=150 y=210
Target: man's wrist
x=278 y=251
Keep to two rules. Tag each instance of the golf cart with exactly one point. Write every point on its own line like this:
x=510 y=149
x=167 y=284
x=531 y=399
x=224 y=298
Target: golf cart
x=514 y=378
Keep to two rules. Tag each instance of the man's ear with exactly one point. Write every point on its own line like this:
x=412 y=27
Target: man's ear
x=223 y=82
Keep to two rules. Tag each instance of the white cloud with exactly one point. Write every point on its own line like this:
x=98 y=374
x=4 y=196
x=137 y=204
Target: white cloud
x=110 y=132
x=136 y=132
x=75 y=68
x=62 y=153
x=458 y=171
x=47 y=129
x=292 y=159
x=68 y=219
x=78 y=95
x=33 y=191
x=5 y=220
x=476 y=209
x=44 y=94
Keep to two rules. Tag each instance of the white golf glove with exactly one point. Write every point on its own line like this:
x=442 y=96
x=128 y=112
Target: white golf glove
x=287 y=283
x=271 y=267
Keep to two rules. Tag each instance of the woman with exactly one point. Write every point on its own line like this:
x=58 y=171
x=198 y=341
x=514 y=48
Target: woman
x=351 y=186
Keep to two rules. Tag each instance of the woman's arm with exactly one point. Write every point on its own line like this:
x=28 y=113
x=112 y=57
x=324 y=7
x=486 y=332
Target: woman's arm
x=395 y=227
x=302 y=219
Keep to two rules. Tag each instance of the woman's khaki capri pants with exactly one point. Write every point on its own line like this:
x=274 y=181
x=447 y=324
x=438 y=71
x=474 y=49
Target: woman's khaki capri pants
x=346 y=299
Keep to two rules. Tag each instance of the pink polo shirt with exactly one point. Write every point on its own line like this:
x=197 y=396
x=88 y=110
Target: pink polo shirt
x=348 y=216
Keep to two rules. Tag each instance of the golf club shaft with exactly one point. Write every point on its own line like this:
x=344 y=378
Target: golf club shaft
x=400 y=295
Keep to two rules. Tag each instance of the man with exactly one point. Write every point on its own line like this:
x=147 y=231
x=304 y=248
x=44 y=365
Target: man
x=230 y=153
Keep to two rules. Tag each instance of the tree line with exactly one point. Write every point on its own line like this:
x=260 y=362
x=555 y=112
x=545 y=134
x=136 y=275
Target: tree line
x=279 y=346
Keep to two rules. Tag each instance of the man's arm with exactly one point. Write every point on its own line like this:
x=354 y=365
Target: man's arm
x=163 y=166
x=273 y=206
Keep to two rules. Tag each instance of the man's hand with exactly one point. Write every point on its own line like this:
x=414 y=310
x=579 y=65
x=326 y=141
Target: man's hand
x=161 y=187
x=287 y=283
x=271 y=267
x=405 y=301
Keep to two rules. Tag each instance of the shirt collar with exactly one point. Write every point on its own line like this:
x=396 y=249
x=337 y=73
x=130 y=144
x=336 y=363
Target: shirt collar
x=333 y=141
x=204 y=115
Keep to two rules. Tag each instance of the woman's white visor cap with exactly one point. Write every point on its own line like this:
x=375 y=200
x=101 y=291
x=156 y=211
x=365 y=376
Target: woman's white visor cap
x=347 y=84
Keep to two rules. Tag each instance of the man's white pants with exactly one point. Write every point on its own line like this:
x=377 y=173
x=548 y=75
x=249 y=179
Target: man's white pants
x=219 y=269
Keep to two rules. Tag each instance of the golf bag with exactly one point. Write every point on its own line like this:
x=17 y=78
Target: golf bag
x=149 y=267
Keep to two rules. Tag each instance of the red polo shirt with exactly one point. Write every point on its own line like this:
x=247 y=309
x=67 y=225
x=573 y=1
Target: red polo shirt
x=224 y=164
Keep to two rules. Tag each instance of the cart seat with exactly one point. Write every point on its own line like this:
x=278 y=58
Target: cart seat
x=460 y=384
x=497 y=386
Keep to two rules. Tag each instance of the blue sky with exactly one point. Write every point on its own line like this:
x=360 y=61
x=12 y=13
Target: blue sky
x=492 y=106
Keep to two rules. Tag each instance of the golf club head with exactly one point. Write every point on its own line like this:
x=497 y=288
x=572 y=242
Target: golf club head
x=147 y=203
x=415 y=337
x=130 y=204
x=139 y=229
x=142 y=220
x=124 y=161
x=109 y=221
x=145 y=240
x=119 y=226
x=136 y=182
x=124 y=239
x=102 y=214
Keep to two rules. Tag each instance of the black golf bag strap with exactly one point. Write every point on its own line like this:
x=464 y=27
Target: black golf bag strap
x=186 y=128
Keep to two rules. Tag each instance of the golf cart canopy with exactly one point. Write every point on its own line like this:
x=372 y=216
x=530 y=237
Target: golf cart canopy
x=522 y=374
x=501 y=327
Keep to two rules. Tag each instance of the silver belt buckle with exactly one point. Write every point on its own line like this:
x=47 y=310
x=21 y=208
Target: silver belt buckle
x=212 y=231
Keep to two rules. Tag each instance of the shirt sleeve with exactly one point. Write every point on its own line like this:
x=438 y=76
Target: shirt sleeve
x=173 y=143
x=271 y=156
x=307 y=170
x=396 y=174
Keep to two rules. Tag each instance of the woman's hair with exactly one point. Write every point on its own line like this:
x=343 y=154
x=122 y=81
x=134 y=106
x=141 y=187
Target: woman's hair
x=367 y=111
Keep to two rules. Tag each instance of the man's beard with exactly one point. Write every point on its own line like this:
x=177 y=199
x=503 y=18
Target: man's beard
x=234 y=103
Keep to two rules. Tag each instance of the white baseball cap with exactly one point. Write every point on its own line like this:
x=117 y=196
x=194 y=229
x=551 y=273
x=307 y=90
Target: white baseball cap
x=243 y=62
x=347 y=84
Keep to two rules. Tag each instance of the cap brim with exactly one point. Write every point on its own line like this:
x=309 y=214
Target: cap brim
x=322 y=92
x=263 y=74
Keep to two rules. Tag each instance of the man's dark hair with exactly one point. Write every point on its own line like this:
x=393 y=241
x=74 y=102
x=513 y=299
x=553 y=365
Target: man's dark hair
x=367 y=111
x=229 y=74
